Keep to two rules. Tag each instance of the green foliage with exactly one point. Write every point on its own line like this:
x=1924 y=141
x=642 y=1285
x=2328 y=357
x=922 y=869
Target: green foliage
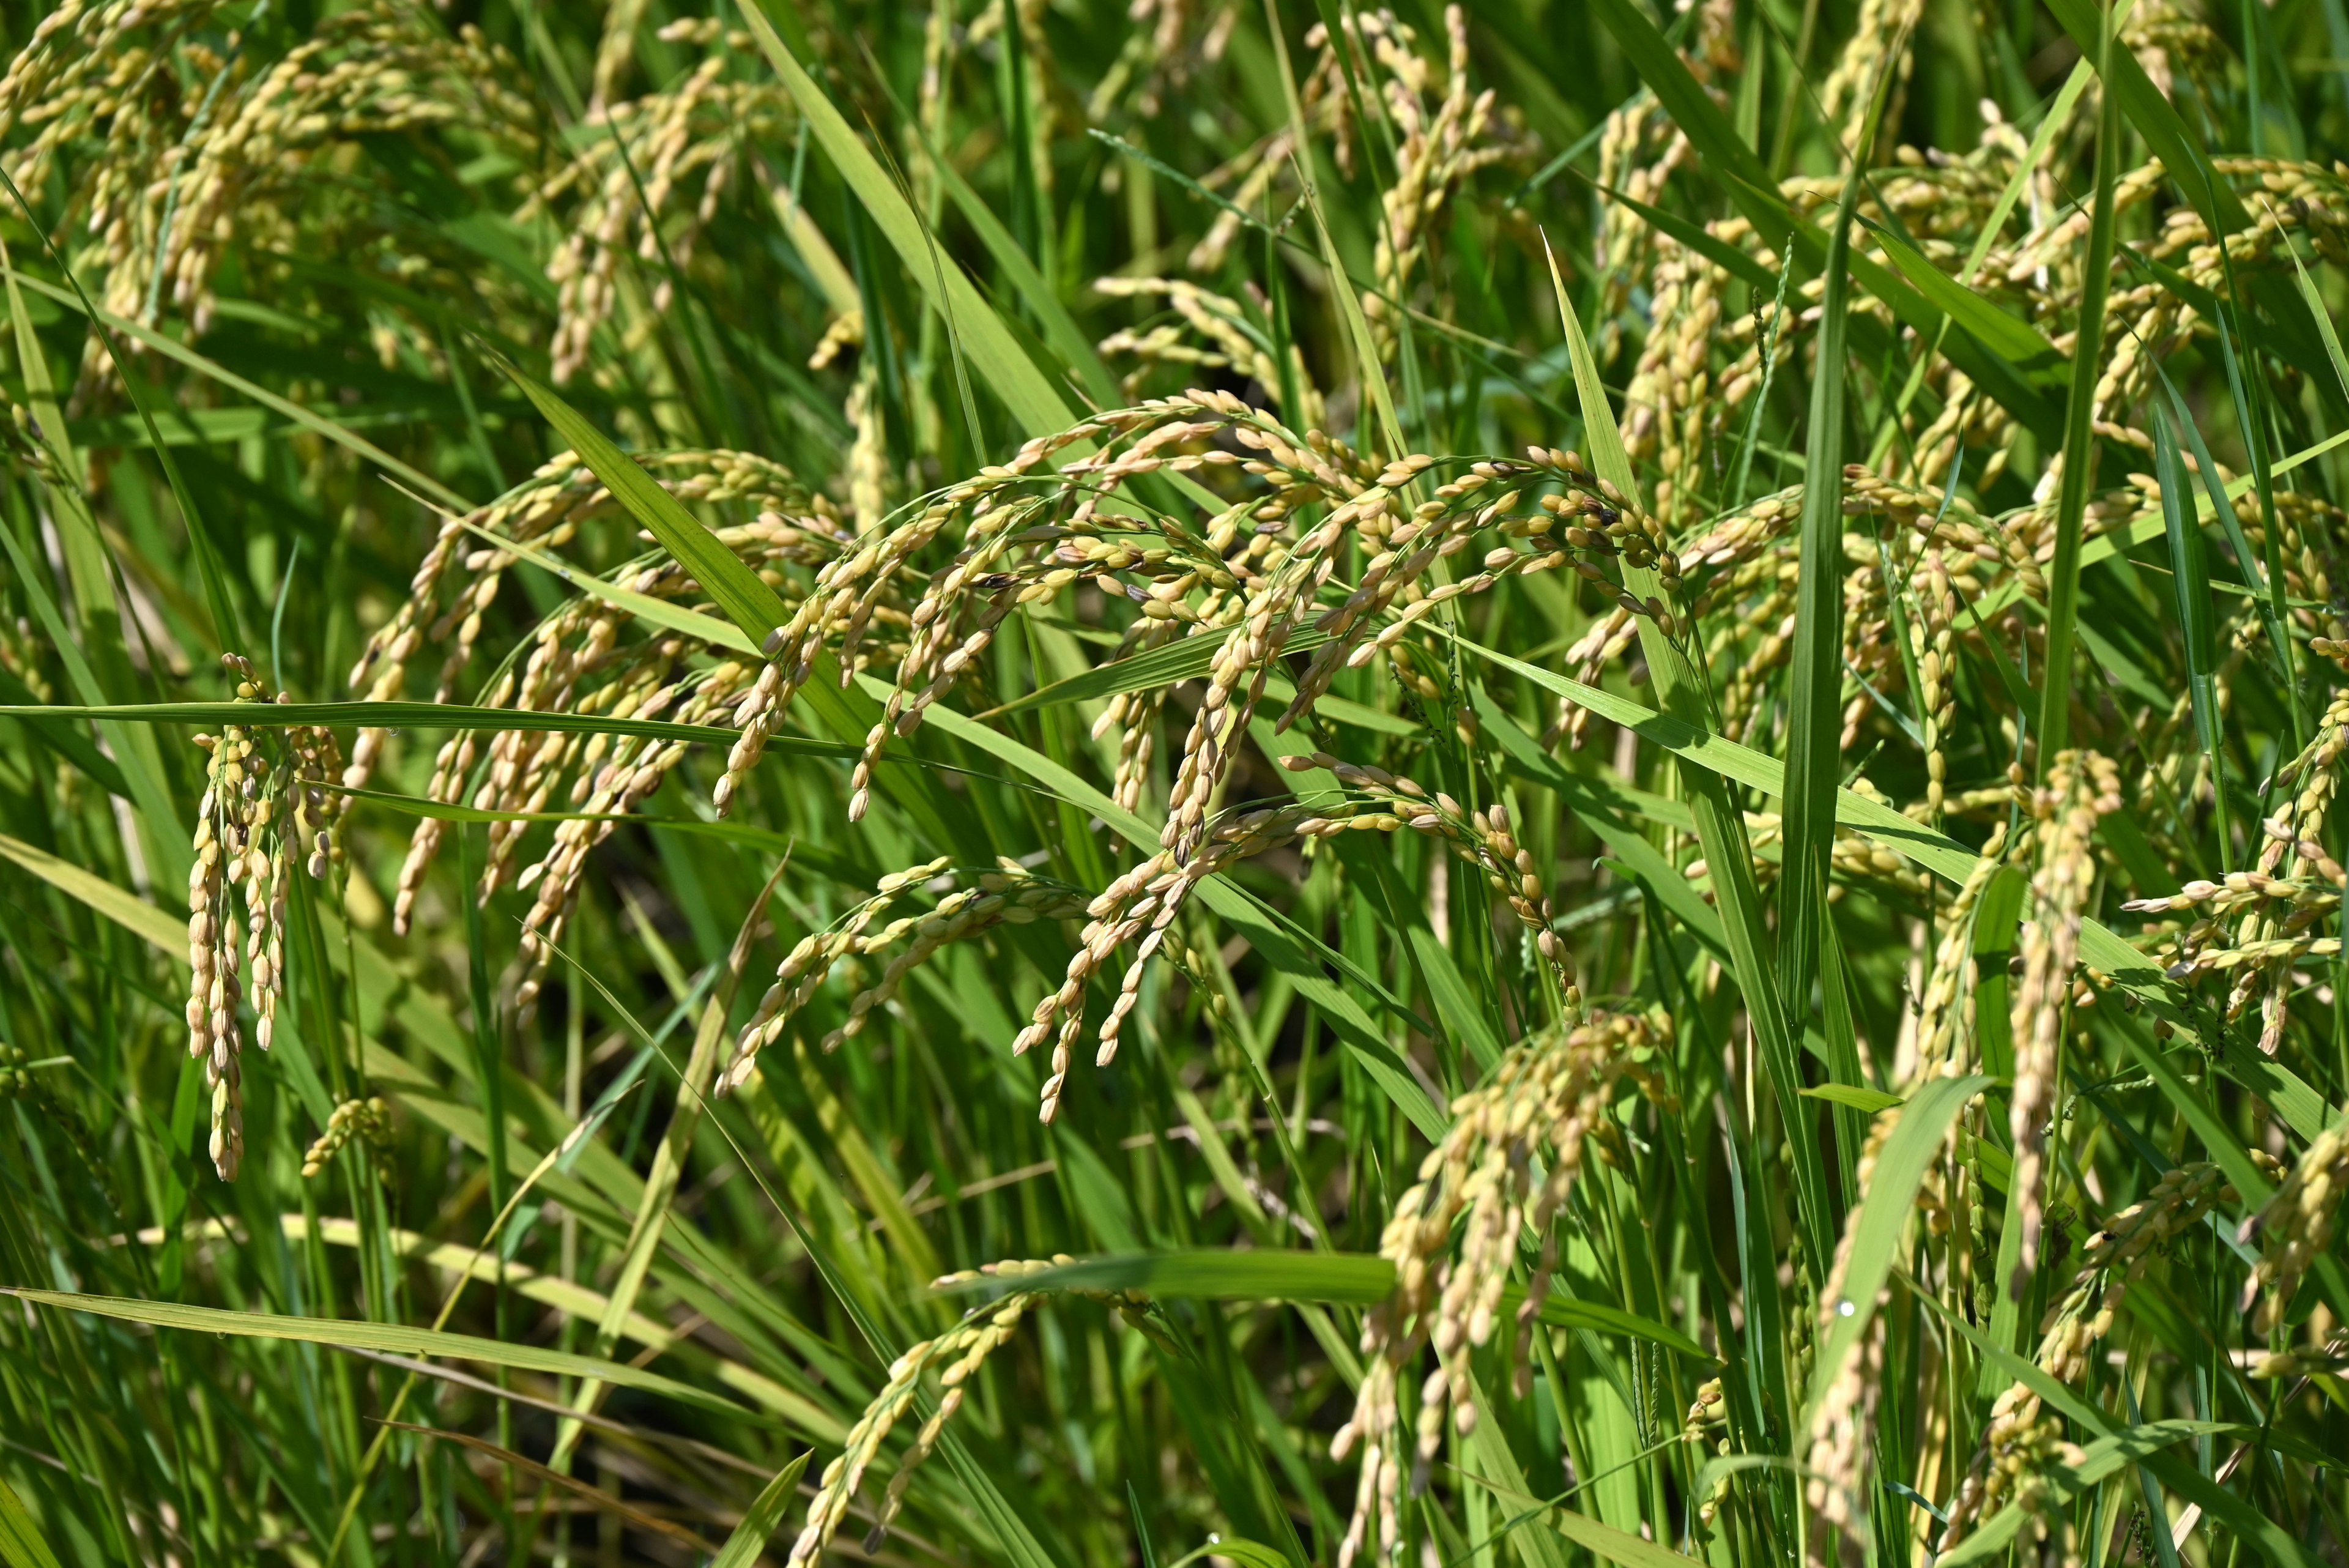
x=1559 y=787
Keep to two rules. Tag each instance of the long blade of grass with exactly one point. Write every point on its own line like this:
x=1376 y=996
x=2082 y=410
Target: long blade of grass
x=1603 y=813
x=2250 y=396
x=996 y=356
x=572 y=1300
x=1695 y=236
x=725 y=830
x=135 y=754
x=1880 y=1222
x=2149 y=111
x=2104 y=546
x=1368 y=369
x=1719 y=825
x=765 y=1516
x=2080 y=442
x=1814 y=711
x=397 y=1338
x=1352 y=1279
x=2051 y=124
x=123 y=907
x=748 y=601
x=22 y=1545
x=651 y=1219
x=2220 y=499
x=2323 y=317
x=1185 y=659
x=1061 y=331
x=2190 y=564
x=2011 y=338
x=645 y=607
x=1602 y=1541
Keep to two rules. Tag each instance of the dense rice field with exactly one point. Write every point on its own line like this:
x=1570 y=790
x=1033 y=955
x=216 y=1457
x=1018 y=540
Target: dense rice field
x=1040 y=782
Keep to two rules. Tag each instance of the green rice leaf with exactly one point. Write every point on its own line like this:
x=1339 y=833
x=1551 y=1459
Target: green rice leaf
x=1814 y=681
x=22 y=1545
x=1352 y=1279
x=1185 y=659
x=1880 y=1221
x=2016 y=341
x=62 y=738
x=2051 y=124
x=645 y=607
x=997 y=359
x=2190 y=564
x=748 y=601
x=1858 y=1097
x=1247 y=1553
x=397 y=1338
x=1721 y=826
x=2220 y=498
x=1061 y=331
x=2150 y=113
x=1719 y=252
x=125 y=910
x=2080 y=442
x=2324 y=320
x=1605 y=1541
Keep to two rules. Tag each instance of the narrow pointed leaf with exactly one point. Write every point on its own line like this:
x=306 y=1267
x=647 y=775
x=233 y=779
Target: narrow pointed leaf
x=748 y=601
x=1352 y=1279
x=997 y=359
x=397 y=1338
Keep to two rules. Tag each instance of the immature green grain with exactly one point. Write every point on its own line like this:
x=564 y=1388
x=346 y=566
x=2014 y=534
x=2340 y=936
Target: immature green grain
x=369 y=1120
x=2296 y=1225
x=1942 y=1021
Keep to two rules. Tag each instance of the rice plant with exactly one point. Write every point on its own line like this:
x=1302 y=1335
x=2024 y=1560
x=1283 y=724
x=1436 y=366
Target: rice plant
x=1090 y=783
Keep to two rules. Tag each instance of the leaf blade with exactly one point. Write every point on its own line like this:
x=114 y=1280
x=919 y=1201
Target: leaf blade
x=397 y=1338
